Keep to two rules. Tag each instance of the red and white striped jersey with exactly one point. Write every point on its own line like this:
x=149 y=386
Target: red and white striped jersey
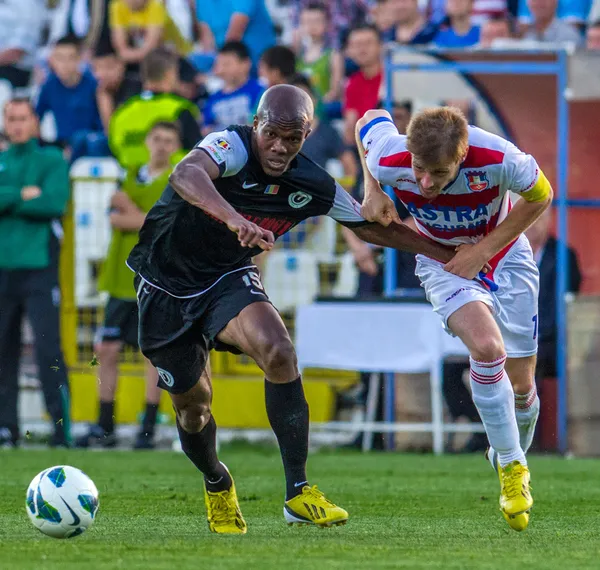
x=474 y=203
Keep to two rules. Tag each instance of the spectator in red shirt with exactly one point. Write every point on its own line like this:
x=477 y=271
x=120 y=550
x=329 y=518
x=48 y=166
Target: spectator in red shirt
x=363 y=88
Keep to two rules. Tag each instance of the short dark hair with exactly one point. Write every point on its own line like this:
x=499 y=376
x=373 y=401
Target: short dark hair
x=300 y=80
x=594 y=24
x=20 y=101
x=317 y=7
x=70 y=40
x=237 y=48
x=364 y=27
x=281 y=58
x=156 y=64
x=168 y=126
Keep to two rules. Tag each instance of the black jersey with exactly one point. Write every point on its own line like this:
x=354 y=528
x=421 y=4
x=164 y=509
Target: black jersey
x=184 y=250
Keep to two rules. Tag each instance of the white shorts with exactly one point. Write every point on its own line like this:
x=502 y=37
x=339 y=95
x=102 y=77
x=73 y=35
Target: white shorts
x=514 y=305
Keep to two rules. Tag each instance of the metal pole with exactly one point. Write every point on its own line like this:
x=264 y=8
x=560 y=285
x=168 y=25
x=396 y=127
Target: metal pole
x=494 y=68
x=562 y=268
x=389 y=267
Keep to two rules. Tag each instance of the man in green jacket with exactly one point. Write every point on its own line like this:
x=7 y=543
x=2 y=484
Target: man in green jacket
x=34 y=189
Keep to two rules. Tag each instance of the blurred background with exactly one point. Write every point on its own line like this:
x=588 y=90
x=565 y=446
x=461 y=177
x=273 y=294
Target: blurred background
x=114 y=92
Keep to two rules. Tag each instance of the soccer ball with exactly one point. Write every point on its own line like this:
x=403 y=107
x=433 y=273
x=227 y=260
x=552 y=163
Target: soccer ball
x=62 y=501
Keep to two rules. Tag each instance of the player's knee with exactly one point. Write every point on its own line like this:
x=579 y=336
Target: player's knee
x=280 y=355
x=194 y=416
x=487 y=348
x=107 y=352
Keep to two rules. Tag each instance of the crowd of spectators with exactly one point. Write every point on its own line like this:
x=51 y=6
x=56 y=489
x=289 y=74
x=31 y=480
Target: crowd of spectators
x=82 y=59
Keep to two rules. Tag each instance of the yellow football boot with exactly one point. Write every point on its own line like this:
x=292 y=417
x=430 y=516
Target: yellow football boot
x=311 y=507
x=223 y=511
x=515 y=495
x=516 y=522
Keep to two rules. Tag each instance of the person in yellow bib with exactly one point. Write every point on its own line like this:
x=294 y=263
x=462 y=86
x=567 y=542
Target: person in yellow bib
x=141 y=188
x=131 y=121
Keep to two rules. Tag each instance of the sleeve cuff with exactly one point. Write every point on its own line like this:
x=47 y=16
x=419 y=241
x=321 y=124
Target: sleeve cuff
x=363 y=132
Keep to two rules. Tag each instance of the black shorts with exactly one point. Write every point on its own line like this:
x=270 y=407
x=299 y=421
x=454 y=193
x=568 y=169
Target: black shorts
x=120 y=322
x=177 y=333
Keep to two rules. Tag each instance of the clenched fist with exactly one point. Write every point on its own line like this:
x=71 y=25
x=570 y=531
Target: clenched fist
x=251 y=235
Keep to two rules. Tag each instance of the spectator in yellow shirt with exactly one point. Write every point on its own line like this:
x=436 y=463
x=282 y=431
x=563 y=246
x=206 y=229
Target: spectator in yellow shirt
x=139 y=26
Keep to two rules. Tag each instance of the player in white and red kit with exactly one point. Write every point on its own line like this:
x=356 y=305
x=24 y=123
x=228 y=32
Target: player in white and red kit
x=455 y=179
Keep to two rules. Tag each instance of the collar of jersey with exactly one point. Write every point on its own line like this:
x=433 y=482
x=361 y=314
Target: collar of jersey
x=453 y=180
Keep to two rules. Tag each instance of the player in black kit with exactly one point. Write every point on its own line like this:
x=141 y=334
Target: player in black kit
x=228 y=200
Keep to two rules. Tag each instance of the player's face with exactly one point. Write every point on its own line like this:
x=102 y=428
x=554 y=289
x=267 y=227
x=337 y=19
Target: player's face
x=432 y=178
x=277 y=144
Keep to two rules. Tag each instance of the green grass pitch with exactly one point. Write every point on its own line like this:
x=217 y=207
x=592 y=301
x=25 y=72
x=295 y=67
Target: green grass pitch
x=406 y=511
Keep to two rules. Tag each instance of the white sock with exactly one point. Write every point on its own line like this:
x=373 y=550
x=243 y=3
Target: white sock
x=494 y=398
x=527 y=410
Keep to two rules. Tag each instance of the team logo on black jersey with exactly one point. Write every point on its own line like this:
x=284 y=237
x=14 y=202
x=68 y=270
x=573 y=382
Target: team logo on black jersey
x=477 y=181
x=299 y=199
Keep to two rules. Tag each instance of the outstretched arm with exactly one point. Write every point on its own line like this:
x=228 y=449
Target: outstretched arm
x=400 y=236
x=193 y=179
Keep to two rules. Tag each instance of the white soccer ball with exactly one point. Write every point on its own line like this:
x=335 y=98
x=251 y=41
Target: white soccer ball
x=62 y=501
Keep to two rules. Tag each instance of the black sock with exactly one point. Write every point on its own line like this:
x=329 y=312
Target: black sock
x=288 y=415
x=106 y=420
x=149 y=419
x=201 y=449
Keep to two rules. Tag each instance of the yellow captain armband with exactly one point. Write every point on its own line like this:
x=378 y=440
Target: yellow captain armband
x=540 y=191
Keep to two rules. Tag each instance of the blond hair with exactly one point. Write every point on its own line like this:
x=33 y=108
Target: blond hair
x=438 y=135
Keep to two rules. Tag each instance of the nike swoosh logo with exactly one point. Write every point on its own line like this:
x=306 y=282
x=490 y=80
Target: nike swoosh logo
x=76 y=519
x=256 y=292
x=245 y=185
x=300 y=484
